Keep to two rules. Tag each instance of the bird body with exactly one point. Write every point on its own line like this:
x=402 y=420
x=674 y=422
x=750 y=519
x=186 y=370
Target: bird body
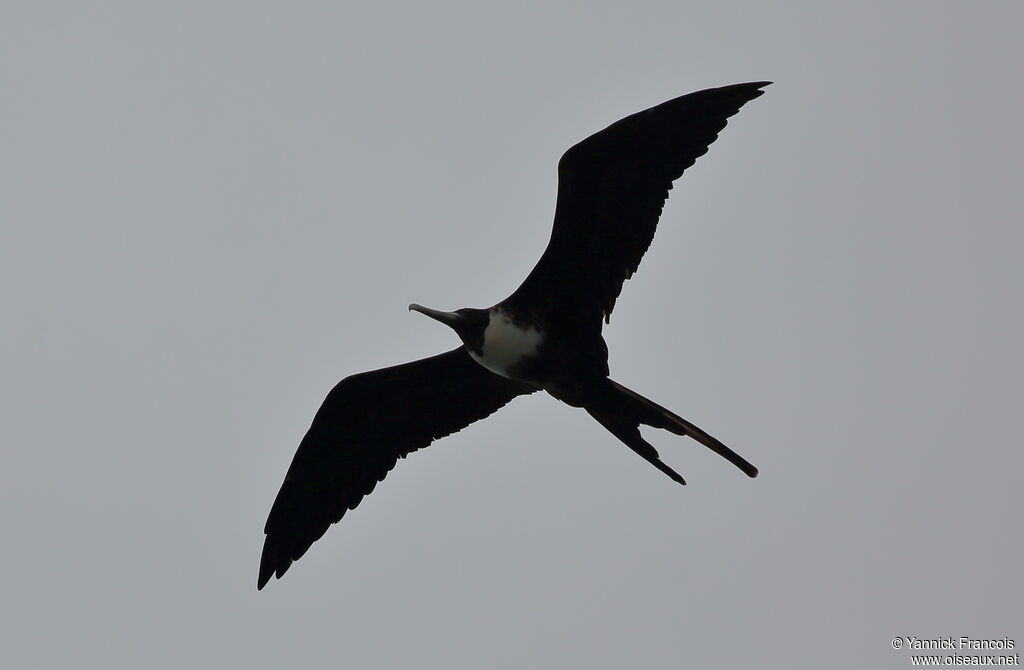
x=547 y=335
x=507 y=345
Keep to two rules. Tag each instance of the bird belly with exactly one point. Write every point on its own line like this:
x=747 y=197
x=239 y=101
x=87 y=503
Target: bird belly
x=506 y=345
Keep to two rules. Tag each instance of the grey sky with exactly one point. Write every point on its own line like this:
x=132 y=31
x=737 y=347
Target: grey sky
x=211 y=212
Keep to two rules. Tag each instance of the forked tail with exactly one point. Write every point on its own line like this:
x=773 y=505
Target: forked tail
x=622 y=411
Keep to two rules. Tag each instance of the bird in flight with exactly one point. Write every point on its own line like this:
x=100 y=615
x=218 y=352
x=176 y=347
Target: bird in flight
x=545 y=336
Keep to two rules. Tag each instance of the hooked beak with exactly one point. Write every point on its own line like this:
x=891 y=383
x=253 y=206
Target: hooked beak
x=450 y=319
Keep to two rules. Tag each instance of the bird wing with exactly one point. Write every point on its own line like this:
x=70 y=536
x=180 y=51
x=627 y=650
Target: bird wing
x=611 y=189
x=368 y=422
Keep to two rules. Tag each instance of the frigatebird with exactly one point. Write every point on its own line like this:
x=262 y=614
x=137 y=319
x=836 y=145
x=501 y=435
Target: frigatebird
x=545 y=336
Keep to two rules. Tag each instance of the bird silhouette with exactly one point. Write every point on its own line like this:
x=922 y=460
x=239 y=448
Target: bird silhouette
x=545 y=336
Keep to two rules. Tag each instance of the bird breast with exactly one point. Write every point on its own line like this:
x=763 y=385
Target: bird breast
x=506 y=344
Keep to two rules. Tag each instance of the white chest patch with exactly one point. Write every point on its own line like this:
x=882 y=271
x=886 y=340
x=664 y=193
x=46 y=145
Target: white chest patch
x=505 y=344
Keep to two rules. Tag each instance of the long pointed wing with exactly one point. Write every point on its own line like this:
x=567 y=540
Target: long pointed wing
x=611 y=189
x=368 y=422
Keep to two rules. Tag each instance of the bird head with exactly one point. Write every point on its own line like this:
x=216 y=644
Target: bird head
x=468 y=323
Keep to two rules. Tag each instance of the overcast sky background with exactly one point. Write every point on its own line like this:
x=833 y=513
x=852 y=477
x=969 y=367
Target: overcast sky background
x=212 y=212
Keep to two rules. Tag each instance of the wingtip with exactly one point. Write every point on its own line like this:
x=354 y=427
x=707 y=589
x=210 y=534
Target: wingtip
x=750 y=90
x=757 y=88
x=271 y=563
x=748 y=84
x=266 y=572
